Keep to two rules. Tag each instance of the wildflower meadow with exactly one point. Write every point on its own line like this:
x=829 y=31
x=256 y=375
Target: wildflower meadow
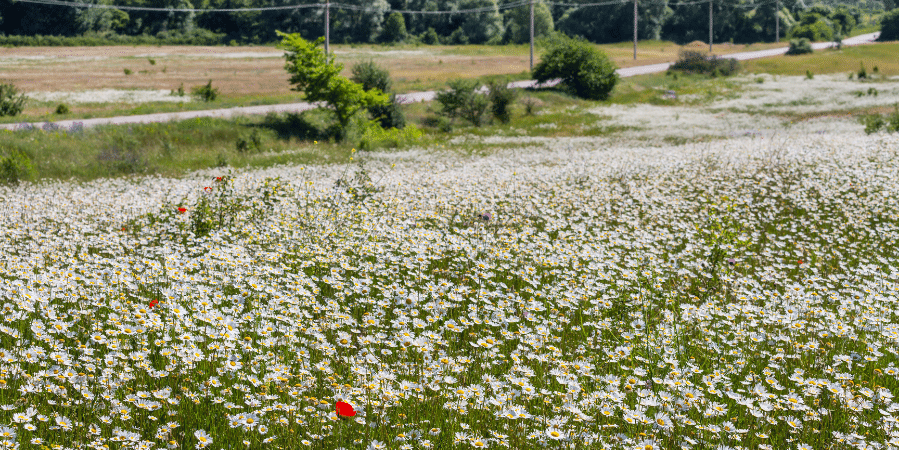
x=736 y=293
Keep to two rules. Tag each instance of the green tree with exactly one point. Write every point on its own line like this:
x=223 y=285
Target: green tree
x=485 y=27
x=586 y=71
x=518 y=23
x=320 y=80
x=394 y=28
x=889 y=26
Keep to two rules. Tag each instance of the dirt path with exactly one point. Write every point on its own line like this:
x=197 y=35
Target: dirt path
x=405 y=98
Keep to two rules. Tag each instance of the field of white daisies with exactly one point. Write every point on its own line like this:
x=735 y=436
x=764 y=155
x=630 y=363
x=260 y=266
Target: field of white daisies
x=739 y=293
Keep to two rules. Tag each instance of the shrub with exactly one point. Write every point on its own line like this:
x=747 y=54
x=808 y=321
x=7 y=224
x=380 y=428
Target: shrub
x=873 y=123
x=251 y=141
x=376 y=137
x=206 y=93
x=371 y=76
x=800 y=46
x=62 y=109
x=11 y=101
x=463 y=101
x=809 y=75
x=127 y=71
x=862 y=72
x=430 y=37
x=389 y=115
x=691 y=61
x=585 y=71
x=500 y=98
x=889 y=26
x=15 y=167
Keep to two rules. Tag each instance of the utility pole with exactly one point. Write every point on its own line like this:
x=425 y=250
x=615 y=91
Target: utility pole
x=635 y=30
x=777 y=22
x=532 y=35
x=710 y=26
x=327 y=27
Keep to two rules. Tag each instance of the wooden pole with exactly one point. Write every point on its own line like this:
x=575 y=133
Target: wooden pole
x=635 y=30
x=532 y=35
x=710 y=26
x=777 y=22
x=327 y=28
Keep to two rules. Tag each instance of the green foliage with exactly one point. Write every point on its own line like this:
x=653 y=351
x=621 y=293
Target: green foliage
x=843 y=20
x=691 y=61
x=500 y=98
x=375 y=136
x=817 y=31
x=371 y=76
x=800 y=46
x=862 y=72
x=321 y=81
x=876 y=122
x=394 y=28
x=485 y=27
x=248 y=142
x=889 y=26
x=62 y=109
x=518 y=23
x=463 y=101
x=205 y=93
x=584 y=70
x=389 y=115
x=809 y=75
x=194 y=37
x=127 y=71
x=11 y=101
x=430 y=37
x=15 y=166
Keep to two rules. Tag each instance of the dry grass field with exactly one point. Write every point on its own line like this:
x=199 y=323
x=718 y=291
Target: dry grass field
x=242 y=71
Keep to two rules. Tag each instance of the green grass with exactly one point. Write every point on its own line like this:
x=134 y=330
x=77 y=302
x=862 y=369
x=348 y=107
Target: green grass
x=848 y=59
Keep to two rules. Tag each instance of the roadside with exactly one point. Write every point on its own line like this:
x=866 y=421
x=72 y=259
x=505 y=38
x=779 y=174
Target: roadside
x=405 y=98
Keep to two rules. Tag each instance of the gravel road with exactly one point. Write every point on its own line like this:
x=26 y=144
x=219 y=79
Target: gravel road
x=405 y=98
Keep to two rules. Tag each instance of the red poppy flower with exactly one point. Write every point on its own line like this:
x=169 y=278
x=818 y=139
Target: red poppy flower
x=800 y=261
x=218 y=178
x=207 y=189
x=182 y=210
x=344 y=409
x=154 y=303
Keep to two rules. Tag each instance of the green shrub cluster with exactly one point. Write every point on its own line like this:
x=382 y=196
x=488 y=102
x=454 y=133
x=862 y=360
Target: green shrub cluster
x=585 y=71
x=463 y=101
x=15 y=166
x=371 y=76
x=800 y=46
x=501 y=97
x=198 y=36
x=691 y=61
x=11 y=101
x=876 y=122
x=205 y=93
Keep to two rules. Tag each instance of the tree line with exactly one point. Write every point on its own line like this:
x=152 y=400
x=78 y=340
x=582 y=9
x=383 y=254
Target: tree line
x=681 y=21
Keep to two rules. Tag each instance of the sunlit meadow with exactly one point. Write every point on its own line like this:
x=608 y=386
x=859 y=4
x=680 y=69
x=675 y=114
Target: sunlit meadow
x=738 y=294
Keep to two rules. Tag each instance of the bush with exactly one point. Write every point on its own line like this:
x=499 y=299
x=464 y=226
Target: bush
x=15 y=167
x=585 y=71
x=889 y=26
x=206 y=93
x=11 y=101
x=463 y=101
x=691 y=61
x=376 y=137
x=371 y=76
x=430 y=37
x=251 y=141
x=800 y=46
x=500 y=98
x=862 y=72
x=62 y=109
x=873 y=123
x=389 y=115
